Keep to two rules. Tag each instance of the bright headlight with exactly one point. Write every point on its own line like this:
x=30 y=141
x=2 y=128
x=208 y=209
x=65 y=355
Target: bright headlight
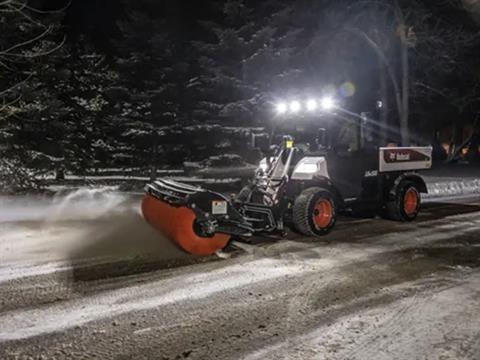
x=327 y=103
x=282 y=108
x=263 y=165
x=295 y=106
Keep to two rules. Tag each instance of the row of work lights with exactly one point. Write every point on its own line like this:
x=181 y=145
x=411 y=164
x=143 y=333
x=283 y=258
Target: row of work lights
x=295 y=106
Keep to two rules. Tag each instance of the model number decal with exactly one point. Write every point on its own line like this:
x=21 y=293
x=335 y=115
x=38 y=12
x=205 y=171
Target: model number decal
x=371 y=173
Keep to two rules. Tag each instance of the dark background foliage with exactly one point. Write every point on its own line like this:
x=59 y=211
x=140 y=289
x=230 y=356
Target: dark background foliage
x=136 y=84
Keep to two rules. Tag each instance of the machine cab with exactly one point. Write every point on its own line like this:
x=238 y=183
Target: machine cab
x=343 y=149
x=352 y=158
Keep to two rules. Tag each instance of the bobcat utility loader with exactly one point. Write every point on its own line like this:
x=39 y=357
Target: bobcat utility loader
x=302 y=184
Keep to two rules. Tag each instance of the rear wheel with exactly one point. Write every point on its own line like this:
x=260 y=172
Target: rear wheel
x=314 y=212
x=405 y=205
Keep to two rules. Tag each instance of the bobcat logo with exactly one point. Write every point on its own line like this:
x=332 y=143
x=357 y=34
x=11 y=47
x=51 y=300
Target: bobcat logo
x=395 y=156
x=399 y=157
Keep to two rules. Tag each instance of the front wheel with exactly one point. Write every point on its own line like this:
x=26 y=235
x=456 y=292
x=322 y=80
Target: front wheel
x=405 y=204
x=314 y=212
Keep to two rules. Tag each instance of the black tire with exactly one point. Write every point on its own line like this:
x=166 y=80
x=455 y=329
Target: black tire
x=396 y=209
x=305 y=211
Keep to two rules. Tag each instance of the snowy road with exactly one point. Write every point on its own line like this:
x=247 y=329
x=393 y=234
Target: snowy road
x=85 y=277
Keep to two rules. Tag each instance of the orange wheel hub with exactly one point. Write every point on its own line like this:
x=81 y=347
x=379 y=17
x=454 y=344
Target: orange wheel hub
x=323 y=213
x=176 y=223
x=411 y=201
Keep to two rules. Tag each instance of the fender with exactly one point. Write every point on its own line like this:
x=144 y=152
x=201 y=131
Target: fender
x=297 y=186
x=411 y=176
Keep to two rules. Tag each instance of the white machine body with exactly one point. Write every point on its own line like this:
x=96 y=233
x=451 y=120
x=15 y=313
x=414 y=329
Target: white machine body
x=309 y=167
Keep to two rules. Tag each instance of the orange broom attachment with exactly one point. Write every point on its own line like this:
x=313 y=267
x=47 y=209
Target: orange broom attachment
x=177 y=224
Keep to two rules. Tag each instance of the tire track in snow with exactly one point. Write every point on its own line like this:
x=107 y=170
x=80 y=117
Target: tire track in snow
x=441 y=322
x=53 y=318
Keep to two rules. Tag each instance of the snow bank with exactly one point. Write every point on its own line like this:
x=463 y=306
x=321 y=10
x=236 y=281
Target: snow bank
x=457 y=187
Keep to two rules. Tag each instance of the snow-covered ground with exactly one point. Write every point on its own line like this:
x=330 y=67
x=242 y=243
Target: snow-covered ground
x=82 y=276
x=40 y=234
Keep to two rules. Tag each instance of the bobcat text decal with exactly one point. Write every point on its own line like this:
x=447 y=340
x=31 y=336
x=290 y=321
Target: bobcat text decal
x=405 y=158
x=404 y=155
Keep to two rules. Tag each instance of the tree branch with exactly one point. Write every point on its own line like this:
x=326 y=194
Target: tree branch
x=27 y=42
x=5 y=105
x=38 y=54
x=32 y=9
x=11 y=88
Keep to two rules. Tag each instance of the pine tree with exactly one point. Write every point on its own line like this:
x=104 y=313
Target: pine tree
x=154 y=66
x=246 y=63
x=28 y=36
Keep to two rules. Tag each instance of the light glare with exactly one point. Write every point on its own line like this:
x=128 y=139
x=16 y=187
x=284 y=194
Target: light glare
x=295 y=106
x=282 y=108
x=312 y=105
x=327 y=103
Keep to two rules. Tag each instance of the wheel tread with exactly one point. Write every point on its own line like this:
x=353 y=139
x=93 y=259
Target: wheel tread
x=302 y=211
x=394 y=207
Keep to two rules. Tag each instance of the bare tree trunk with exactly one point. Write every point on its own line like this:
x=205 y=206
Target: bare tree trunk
x=457 y=137
x=387 y=66
x=384 y=99
x=405 y=74
x=473 y=155
x=153 y=168
x=451 y=146
x=60 y=173
x=457 y=142
x=401 y=92
x=404 y=130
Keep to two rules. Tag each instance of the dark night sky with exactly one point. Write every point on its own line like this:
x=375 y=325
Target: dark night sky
x=96 y=19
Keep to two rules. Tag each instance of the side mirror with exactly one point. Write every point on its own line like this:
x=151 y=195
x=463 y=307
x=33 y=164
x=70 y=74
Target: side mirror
x=321 y=138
